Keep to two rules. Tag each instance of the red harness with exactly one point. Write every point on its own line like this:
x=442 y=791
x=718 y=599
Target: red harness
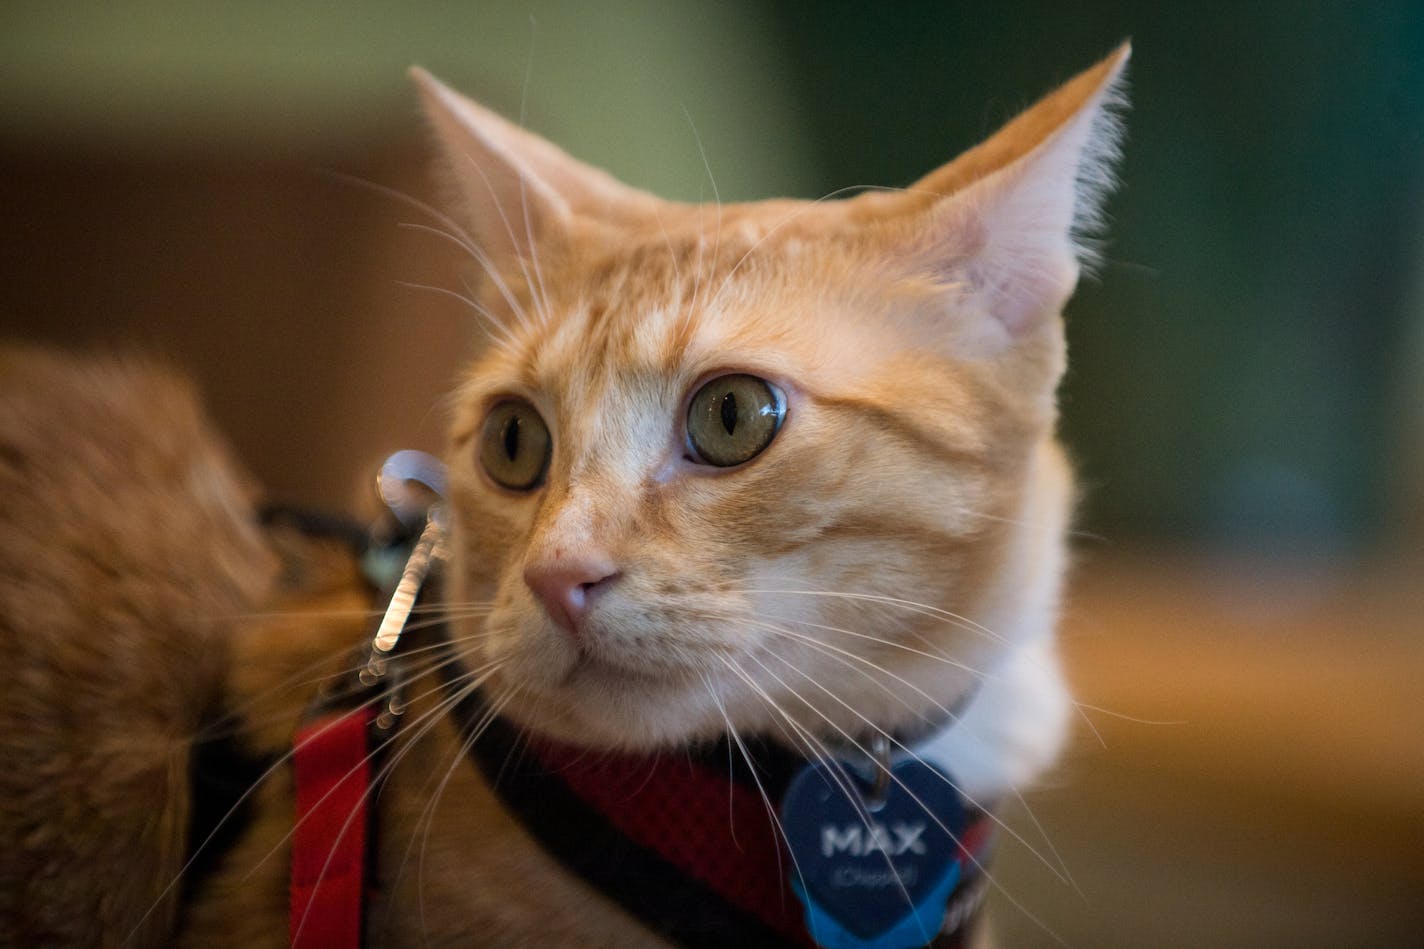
x=662 y=834
x=330 y=858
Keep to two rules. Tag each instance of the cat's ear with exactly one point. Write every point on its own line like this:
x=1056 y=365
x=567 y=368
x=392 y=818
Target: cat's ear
x=1006 y=226
x=519 y=190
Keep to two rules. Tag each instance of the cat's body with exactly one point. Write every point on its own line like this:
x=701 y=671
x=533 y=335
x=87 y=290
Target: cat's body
x=883 y=557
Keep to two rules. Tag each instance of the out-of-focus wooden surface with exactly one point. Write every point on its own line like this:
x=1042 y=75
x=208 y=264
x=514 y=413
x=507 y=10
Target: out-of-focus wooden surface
x=1259 y=781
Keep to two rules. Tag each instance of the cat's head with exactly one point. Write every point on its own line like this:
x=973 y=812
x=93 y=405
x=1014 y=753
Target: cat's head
x=775 y=465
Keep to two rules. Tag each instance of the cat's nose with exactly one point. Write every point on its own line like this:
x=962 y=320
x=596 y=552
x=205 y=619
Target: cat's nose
x=564 y=584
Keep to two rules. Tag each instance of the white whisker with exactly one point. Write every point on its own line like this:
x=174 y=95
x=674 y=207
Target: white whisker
x=914 y=797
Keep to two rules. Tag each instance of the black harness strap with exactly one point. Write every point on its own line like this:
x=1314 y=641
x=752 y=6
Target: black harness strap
x=661 y=895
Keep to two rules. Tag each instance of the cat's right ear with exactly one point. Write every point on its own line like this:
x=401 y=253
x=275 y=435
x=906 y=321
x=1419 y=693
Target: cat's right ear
x=1004 y=228
x=519 y=190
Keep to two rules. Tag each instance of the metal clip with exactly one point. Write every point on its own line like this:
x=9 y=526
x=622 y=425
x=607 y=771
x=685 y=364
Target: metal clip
x=428 y=551
x=880 y=761
x=381 y=676
x=410 y=505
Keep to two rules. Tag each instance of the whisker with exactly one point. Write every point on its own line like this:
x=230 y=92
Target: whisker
x=937 y=656
x=381 y=696
x=818 y=751
x=825 y=648
x=846 y=658
x=428 y=813
x=452 y=230
x=542 y=312
x=397 y=195
x=716 y=196
x=238 y=717
x=280 y=762
x=1048 y=841
x=423 y=724
x=761 y=788
x=914 y=797
x=1129 y=718
x=924 y=609
x=543 y=303
x=495 y=330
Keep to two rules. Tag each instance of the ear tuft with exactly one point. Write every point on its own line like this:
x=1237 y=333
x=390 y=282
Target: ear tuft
x=1101 y=153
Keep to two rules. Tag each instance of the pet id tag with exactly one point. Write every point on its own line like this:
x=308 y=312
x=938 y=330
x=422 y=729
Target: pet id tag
x=874 y=871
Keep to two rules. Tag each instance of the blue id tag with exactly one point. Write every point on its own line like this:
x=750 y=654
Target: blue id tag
x=873 y=874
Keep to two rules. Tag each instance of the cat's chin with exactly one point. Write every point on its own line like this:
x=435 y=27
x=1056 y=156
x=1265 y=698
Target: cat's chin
x=597 y=672
x=601 y=705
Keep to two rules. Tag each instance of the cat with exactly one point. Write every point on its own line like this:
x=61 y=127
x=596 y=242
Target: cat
x=771 y=475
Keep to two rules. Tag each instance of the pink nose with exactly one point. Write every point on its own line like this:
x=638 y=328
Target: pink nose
x=564 y=586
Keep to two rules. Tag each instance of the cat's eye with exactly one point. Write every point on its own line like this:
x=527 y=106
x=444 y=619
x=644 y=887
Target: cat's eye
x=515 y=445
x=733 y=418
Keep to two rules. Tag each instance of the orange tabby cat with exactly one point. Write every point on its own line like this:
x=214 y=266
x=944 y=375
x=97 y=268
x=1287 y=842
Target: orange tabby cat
x=780 y=469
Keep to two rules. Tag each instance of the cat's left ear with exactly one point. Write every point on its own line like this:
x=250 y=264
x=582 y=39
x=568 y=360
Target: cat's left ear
x=1004 y=228
x=519 y=190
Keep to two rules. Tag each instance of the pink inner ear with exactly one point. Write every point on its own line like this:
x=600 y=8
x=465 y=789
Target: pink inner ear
x=1006 y=252
x=1023 y=294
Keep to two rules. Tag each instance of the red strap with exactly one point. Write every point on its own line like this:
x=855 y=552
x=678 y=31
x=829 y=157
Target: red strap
x=715 y=830
x=333 y=773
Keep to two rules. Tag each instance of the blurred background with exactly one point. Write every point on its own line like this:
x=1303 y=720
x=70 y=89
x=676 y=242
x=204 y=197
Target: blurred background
x=219 y=184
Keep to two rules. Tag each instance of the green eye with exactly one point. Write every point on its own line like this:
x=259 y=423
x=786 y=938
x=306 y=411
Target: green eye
x=515 y=445
x=733 y=418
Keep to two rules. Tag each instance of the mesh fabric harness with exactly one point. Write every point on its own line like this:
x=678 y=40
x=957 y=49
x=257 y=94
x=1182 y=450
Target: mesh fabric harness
x=685 y=842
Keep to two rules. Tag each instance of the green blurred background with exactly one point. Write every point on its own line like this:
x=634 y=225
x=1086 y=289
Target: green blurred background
x=1245 y=403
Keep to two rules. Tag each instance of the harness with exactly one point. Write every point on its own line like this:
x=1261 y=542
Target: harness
x=871 y=852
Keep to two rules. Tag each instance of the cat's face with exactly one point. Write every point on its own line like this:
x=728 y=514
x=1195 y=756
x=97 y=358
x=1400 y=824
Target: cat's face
x=756 y=466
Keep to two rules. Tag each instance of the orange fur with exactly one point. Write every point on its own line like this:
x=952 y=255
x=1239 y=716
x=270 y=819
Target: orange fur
x=897 y=547
x=127 y=551
x=920 y=389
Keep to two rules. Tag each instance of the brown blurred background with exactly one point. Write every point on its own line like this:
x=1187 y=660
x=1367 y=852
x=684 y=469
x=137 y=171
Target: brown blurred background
x=1246 y=402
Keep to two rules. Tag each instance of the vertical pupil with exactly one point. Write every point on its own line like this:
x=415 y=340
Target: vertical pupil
x=729 y=412
x=511 y=437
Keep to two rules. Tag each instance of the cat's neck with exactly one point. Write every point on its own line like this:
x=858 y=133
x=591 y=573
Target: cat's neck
x=1014 y=725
